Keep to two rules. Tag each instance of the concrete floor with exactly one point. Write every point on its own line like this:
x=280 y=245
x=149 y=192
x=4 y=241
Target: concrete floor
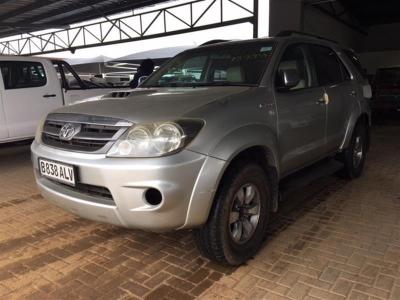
x=333 y=240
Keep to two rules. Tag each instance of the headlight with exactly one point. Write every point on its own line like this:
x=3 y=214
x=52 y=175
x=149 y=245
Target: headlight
x=156 y=139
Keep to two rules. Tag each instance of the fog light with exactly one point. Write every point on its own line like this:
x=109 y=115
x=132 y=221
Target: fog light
x=153 y=197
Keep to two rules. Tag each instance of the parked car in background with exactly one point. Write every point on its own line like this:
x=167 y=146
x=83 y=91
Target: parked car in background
x=31 y=87
x=386 y=89
x=207 y=140
x=74 y=88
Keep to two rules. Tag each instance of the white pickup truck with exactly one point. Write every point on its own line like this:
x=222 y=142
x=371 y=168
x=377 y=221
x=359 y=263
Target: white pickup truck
x=31 y=87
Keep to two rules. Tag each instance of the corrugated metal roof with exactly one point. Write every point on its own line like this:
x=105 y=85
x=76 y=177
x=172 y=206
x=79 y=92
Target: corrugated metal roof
x=19 y=16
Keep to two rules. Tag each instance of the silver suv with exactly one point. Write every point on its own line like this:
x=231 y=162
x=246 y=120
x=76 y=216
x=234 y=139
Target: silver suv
x=207 y=139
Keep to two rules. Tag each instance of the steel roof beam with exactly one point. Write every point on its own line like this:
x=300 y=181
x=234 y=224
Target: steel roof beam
x=114 y=7
x=132 y=27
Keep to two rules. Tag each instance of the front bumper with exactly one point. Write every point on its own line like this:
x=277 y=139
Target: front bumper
x=187 y=182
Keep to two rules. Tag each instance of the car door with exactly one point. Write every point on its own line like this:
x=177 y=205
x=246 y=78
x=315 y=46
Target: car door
x=301 y=112
x=74 y=89
x=29 y=94
x=3 y=121
x=334 y=76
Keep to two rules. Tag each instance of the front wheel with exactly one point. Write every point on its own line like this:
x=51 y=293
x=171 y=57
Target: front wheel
x=235 y=229
x=354 y=156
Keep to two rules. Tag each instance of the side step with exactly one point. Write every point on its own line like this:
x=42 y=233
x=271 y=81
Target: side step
x=302 y=178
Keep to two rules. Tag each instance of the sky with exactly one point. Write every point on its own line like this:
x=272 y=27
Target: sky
x=240 y=31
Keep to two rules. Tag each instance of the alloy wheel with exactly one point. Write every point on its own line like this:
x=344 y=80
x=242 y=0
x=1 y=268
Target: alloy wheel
x=244 y=214
x=358 y=152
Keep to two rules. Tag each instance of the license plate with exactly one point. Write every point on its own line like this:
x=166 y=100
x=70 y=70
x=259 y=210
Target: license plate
x=57 y=171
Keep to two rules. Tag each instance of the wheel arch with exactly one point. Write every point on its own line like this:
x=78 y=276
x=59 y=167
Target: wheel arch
x=365 y=118
x=213 y=173
x=263 y=156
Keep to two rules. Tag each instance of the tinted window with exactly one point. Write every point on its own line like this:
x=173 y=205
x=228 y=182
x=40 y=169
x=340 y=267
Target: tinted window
x=294 y=58
x=69 y=79
x=236 y=64
x=6 y=73
x=345 y=72
x=327 y=65
x=17 y=75
x=356 y=62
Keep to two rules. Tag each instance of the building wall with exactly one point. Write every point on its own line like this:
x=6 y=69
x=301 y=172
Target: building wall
x=378 y=59
x=382 y=38
x=380 y=47
x=284 y=15
x=319 y=23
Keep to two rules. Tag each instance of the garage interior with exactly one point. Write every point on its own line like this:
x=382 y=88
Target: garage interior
x=334 y=239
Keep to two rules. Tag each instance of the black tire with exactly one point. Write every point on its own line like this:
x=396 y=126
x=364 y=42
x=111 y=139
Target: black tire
x=353 y=167
x=215 y=240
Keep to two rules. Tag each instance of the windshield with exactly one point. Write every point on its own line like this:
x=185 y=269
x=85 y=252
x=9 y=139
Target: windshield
x=389 y=76
x=236 y=64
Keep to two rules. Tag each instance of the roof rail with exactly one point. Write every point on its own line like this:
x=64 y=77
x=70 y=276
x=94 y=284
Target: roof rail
x=294 y=32
x=213 y=42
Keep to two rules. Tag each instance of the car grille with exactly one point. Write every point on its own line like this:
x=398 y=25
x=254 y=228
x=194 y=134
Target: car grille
x=96 y=135
x=101 y=194
x=95 y=191
x=97 y=194
x=119 y=94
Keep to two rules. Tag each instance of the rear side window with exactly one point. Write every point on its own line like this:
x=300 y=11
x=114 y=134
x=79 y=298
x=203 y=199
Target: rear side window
x=329 y=69
x=21 y=74
x=6 y=73
x=356 y=62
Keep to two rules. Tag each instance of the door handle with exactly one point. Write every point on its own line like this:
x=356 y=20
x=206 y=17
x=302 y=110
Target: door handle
x=49 y=96
x=353 y=94
x=324 y=99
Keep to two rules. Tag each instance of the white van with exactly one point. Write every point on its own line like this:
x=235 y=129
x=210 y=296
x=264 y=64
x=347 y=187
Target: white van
x=31 y=87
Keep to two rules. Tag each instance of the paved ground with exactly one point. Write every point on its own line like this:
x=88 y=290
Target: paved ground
x=334 y=240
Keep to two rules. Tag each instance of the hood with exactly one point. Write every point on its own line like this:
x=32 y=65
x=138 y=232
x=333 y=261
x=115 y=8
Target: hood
x=155 y=104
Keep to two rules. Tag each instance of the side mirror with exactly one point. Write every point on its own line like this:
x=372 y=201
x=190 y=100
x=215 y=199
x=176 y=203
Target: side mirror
x=290 y=78
x=141 y=80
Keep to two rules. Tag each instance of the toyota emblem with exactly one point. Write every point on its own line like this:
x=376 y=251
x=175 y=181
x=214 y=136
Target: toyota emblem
x=68 y=131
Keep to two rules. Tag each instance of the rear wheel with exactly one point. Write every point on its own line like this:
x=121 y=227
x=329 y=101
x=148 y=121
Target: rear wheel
x=240 y=214
x=354 y=156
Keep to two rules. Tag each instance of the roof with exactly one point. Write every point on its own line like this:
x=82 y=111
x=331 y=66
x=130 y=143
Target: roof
x=291 y=36
x=21 y=16
x=23 y=58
